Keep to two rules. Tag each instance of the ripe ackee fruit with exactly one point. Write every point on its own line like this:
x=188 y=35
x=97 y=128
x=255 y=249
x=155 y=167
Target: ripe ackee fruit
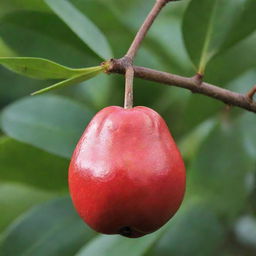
x=126 y=175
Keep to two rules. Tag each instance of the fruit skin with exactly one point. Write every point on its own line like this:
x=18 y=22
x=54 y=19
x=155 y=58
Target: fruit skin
x=126 y=174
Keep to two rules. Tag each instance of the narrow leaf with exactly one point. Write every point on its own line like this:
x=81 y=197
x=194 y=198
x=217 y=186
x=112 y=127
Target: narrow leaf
x=16 y=198
x=82 y=27
x=192 y=141
x=198 y=226
x=53 y=228
x=219 y=170
x=87 y=74
x=205 y=28
x=51 y=171
x=117 y=245
x=245 y=25
x=51 y=123
x=247 y=124
x=44 y=34
x=39 y=68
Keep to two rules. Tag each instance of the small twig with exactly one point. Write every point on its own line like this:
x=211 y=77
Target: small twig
x=129 y=57
x=190 y=83
x=145 y=27
x=251 y=93
x=194 y=84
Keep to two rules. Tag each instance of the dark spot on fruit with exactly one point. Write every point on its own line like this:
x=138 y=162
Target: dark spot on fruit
x=125 y=231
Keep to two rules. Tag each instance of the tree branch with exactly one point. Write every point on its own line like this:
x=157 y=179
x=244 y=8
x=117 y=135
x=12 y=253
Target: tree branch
x=129 y=57
x=145 y=27
x=192 y=84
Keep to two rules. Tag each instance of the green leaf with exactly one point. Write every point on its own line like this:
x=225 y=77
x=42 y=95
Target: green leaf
x=242 y=84
x=117 y=245
x=192 y=141
x=31 y=166
x=108 y=22
x=51 y=229
x=13 y=5
x=194 y=105
x=205 y=27
x=41 y=68
x=44 y=35
x=87 y=74
x=5 y=50
x=168 y=29
x=52 y=123
x=195 y=230
x=245 y=24
x=16 y=198
x=219 y=170
x=82 y=27
x=247 y=123
x=231 y=63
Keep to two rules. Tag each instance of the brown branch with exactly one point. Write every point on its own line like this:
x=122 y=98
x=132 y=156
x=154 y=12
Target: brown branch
x=228 y=97
x=145 y=27
x=194 y=84
x=129 y=57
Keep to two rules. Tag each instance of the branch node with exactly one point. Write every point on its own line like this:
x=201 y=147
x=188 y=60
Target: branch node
x=115 y=66
x=228 y=97
x=198 y=78
x=251 y=93
x=106 y=66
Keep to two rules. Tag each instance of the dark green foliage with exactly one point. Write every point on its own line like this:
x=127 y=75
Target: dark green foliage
x=39 y=133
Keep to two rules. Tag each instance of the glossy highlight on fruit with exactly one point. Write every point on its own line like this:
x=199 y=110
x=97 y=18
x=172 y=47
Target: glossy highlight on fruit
x=126 y=174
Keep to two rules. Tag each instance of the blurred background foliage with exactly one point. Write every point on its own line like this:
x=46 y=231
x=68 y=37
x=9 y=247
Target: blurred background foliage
x=38 y=134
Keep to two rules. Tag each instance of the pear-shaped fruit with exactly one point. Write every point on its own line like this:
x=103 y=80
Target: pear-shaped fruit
x=126 y=175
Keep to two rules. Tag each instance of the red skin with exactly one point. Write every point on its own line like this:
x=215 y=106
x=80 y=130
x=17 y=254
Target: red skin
x=126 y=175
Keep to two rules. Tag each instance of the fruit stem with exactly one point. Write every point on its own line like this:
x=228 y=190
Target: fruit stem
x=131 y=53
x=129 y=75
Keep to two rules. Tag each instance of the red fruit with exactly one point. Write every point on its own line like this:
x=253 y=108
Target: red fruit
x=126 y=175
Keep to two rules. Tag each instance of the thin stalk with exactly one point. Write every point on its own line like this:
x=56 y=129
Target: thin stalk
x=131 y=53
